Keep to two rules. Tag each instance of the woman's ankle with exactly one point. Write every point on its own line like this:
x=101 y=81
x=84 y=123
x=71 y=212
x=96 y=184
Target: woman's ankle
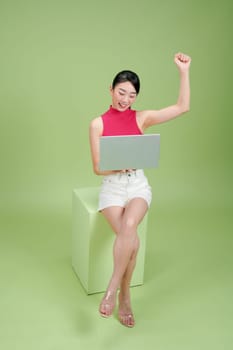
x=124 y=294
x=109 y=294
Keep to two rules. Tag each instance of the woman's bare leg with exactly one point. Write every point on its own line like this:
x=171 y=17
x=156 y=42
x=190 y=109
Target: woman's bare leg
x=125 y=312
x=114 y=217
x=124 y=222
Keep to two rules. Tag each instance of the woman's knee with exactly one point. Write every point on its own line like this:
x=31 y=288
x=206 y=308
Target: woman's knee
x=129 y=225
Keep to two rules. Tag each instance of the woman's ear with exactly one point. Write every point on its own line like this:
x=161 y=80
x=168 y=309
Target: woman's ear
x=111 y=90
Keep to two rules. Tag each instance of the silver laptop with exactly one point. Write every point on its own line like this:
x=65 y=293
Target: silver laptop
x=129 y=152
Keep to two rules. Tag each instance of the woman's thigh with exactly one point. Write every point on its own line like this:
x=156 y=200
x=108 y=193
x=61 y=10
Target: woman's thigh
x=131 y=215
x=114 y=216
x=134 y=213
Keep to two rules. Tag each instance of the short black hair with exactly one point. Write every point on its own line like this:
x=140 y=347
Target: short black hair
x=127 y=75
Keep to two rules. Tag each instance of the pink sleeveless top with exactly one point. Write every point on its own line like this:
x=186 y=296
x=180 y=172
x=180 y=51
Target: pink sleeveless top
x=120 y=123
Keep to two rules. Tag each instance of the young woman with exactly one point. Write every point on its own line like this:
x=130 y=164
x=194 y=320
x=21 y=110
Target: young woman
x=125 y=194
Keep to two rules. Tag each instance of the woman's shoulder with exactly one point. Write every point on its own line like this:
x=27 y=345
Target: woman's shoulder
x=96 y=123
x=141 y=117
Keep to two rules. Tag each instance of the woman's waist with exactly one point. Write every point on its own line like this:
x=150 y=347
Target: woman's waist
x=126 y=176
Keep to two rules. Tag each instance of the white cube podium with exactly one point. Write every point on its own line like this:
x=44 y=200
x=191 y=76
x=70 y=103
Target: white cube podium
x=92 y=243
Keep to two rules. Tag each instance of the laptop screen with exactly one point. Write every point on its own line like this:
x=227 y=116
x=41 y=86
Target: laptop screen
x=129 y=152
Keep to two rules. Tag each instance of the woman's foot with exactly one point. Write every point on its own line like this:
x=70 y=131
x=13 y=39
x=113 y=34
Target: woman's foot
x=125 y=313
x=107 y=304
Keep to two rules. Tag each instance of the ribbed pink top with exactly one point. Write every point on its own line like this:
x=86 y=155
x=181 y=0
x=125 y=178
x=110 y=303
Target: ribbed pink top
x=120 y=123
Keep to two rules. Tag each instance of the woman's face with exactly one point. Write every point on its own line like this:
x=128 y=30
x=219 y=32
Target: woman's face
x=123 y=96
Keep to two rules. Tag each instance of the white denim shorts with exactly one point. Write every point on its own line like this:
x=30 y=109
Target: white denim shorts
x=118 y=189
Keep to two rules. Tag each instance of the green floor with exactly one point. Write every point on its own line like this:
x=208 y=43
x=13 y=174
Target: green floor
x=186 y=302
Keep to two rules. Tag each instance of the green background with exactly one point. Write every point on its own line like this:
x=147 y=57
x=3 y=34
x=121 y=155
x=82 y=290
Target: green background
x=57 y=62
